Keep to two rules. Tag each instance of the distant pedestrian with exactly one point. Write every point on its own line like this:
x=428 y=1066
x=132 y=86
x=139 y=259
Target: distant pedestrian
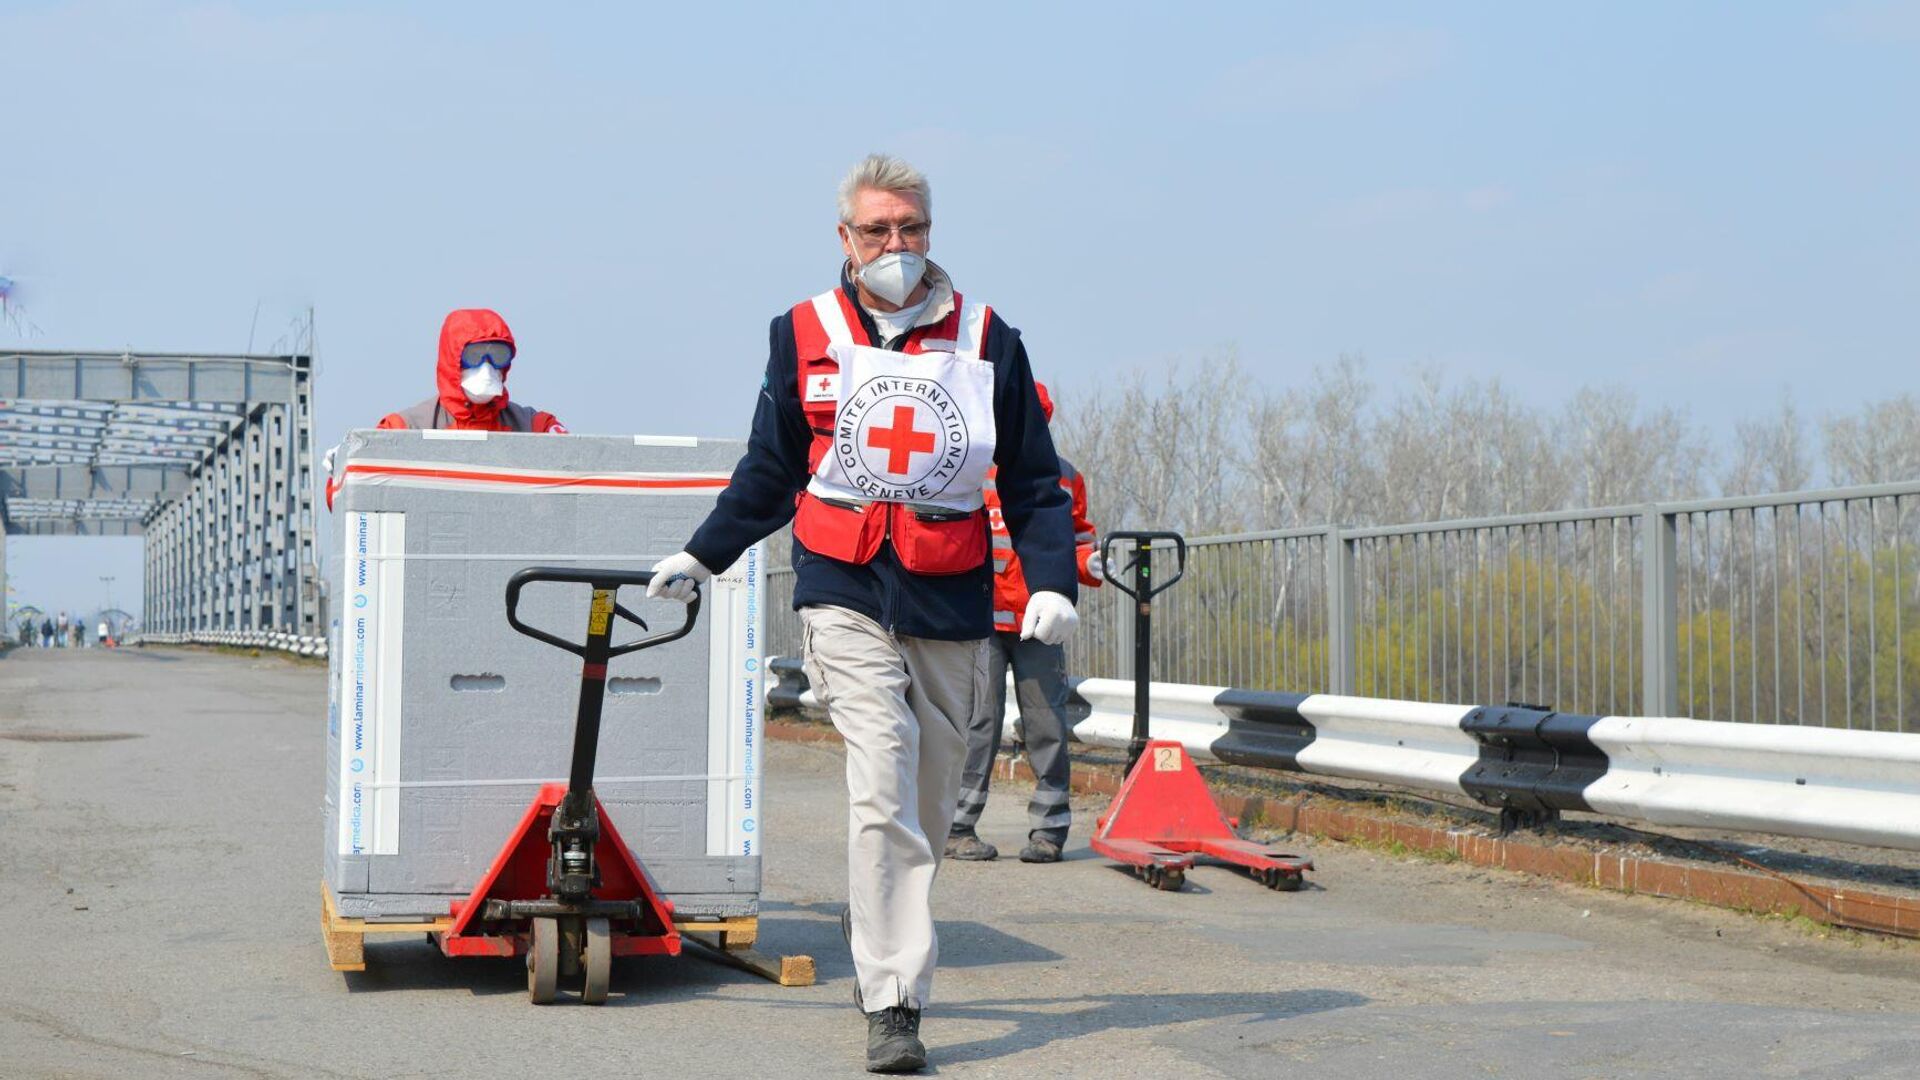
x=46 y=633
x=106 y=635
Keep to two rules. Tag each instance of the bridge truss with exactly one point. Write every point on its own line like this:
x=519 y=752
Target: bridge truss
x=210 y=457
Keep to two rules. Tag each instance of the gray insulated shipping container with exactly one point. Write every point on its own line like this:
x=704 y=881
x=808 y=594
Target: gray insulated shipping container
x=442 y=721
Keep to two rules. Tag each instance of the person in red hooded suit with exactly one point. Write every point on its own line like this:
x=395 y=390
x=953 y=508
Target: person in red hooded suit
x=476 y=352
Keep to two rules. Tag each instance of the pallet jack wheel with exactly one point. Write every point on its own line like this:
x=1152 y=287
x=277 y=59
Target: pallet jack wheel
x=543 y=962
x=598 y=957
x=1165 y=878
x=1285 y=880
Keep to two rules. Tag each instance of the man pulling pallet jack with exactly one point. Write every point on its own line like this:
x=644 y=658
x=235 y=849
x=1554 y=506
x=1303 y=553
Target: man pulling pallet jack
x=885 y=400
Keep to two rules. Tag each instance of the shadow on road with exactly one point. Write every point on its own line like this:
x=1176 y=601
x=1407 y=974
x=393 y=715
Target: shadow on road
x=1039 y=1021
x=397 y=965
x=814 y=929
x=963 y=943
x=1199 y=887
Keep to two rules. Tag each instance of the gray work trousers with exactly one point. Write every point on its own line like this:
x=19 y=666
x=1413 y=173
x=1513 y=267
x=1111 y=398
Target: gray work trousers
x=901 y=704
x=1040 y=686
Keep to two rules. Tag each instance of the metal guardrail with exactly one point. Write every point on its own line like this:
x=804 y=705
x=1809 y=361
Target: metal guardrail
x=246 y=639
x=1855 y=787
x=1788 y=608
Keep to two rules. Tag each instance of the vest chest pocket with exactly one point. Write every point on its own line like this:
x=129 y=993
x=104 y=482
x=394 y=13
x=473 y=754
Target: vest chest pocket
x=848 y=533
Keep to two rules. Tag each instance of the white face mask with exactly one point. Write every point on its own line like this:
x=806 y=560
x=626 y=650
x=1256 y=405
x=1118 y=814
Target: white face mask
x=482 y=384
x=893 y=277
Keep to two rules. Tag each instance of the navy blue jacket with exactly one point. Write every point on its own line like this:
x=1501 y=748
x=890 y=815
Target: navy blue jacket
x=954 y=607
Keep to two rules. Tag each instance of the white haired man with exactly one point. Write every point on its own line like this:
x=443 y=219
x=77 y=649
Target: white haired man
x=884 y=404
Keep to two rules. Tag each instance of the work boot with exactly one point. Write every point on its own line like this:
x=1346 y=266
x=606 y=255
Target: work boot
x=970 y=848
x=1040 y=849
x=893 y=1041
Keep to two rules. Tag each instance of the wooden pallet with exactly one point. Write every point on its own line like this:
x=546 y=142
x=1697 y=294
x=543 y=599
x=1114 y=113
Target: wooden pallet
x=729 y=941
x=734 y=948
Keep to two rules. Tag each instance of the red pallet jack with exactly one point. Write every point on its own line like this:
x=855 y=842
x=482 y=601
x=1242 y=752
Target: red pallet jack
x=1164 y=815
x=564 y=889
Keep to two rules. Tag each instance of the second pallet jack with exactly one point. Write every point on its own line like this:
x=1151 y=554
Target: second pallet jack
x=1164 y=815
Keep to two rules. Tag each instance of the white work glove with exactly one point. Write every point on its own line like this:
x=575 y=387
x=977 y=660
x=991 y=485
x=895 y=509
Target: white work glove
x=1050 y=618
x=675 y=576
x=1096 y=567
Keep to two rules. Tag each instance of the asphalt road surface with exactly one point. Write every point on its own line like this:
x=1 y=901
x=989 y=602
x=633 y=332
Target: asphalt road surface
x=159 y=868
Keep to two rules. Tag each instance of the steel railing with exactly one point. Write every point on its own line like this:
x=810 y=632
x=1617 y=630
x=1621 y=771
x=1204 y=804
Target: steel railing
x=299 y=645
x=1786 y=608
x=1539 y=608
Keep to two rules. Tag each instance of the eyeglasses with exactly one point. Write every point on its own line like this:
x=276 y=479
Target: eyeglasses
x=911 y=233
x=497 y=353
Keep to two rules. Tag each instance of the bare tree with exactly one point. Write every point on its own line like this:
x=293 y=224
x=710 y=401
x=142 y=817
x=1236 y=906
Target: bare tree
x=1881 y=444
x=1311 y=462
x=1162 y=454
x=1620 y=456
x=1464 y=452
x=1769 y=454
x=1202 y=448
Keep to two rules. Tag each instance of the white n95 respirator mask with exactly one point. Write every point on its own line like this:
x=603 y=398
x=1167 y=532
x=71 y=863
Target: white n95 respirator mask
x=482 y=384
x=893 y=277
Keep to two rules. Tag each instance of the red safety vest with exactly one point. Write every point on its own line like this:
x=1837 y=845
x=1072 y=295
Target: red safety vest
x=925 y=541
x=1010 y=594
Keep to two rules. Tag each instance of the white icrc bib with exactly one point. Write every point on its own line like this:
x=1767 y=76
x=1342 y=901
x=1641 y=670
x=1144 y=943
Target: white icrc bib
x=911 y=427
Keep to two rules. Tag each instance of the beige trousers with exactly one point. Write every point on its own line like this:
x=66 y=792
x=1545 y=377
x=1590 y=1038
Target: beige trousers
x=901 y=704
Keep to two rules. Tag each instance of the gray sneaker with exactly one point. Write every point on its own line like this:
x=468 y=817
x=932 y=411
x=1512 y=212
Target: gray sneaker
x=971 y=849
x=1039 y=849
x=893 y=1041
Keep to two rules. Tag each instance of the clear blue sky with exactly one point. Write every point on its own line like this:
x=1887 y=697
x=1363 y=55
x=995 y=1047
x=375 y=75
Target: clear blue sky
x=1704 y=202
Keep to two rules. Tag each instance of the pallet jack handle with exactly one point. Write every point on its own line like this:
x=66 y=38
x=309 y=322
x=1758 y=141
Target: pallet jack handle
x=609 y=582
x=1143 y=589
x=595 y=652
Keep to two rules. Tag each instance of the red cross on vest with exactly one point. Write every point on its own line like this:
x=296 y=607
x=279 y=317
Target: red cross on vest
x=901 y=441
x=826 y=383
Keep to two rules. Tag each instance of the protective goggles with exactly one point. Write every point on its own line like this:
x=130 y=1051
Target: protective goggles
x=497 y=353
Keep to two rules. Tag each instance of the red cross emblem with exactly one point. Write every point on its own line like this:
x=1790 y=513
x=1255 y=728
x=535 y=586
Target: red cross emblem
x=824 y=383
x=901 y=441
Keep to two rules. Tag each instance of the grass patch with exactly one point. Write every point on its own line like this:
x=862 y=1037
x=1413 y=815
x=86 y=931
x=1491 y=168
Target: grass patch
x=1823 y=931
x=1396 y=848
